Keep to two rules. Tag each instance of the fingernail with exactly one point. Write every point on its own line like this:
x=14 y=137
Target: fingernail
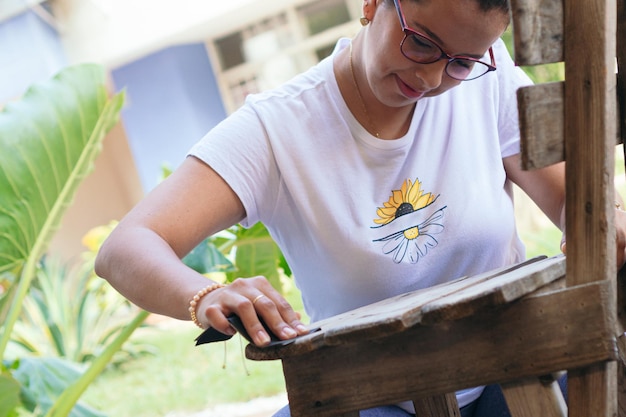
x=302 y=328
x=263 y=338
x=289 y=332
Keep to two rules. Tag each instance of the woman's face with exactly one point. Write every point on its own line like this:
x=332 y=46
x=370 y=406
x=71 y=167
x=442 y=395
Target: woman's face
x=458 y=26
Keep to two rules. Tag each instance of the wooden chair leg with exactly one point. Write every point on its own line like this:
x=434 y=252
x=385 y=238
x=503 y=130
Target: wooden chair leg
x=437 y=406
x=532 y=397
x=621 y=314
x=621 y=389
x=593 y=390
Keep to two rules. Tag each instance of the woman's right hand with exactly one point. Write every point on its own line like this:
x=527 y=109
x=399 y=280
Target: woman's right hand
x=251 y=298
x=141 y=257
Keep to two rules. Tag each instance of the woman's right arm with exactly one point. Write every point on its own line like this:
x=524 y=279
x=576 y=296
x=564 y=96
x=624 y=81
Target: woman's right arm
x=142 y=256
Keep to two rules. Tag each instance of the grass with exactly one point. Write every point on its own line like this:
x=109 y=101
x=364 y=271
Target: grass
x=182 y=377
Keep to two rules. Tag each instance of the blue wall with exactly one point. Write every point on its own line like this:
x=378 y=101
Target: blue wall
x=30 y=51
x=172 y=101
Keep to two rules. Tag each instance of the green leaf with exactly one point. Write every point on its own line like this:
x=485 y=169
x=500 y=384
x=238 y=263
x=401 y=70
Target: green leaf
x=71 y=395
x=48 y=143
x=257 y=254
x=6 y=298
x=45 y=379
x=206 y=258
x=284 y=265
x=9 y=394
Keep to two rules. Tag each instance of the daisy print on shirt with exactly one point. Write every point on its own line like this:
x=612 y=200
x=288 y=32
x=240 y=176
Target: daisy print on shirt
x=408 y=222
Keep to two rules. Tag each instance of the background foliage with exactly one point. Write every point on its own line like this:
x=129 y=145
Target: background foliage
x=49 y=140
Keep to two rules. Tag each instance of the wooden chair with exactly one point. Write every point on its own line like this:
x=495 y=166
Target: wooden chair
x=519 y=325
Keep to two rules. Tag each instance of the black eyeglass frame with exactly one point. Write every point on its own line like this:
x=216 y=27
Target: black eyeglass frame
x=444 y=55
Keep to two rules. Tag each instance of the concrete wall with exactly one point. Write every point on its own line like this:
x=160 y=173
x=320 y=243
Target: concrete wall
x=173 y=100
x=30 y=52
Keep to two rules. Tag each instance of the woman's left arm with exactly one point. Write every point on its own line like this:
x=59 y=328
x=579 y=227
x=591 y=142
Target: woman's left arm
x=546 y=187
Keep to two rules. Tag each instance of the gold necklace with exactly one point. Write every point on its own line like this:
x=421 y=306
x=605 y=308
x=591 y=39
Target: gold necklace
x=358 y=91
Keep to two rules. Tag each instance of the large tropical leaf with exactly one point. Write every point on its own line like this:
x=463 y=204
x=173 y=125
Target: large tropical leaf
x=206 y=258
x=43 y=380
x=48 y=142
x=257 y=254
x=9 y=393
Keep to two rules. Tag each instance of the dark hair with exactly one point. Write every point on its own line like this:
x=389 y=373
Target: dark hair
x=485 y=5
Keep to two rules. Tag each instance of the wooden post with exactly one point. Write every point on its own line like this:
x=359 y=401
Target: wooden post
x=534 y=397
x=621 y=96
x=621 y=61
x=589 y=50
x=437 y=406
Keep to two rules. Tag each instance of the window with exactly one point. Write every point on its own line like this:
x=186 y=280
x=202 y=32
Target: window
x=229 y=50
x=266 y=53
x=322 y=15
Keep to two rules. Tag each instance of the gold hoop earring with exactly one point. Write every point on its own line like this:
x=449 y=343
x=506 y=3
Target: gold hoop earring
x=364 y=21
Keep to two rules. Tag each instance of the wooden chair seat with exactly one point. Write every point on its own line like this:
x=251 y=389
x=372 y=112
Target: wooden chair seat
x=500 y=326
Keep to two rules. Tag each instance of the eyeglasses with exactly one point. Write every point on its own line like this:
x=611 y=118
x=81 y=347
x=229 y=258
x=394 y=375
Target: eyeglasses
x=421 y=49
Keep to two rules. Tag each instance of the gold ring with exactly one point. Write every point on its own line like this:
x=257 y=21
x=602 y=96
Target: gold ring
x=257 y=298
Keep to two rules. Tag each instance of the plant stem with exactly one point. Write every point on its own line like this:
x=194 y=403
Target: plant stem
x=70 y=396
x=26 y=277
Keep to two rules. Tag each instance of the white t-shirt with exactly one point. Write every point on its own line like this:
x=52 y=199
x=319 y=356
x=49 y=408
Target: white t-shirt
x=361 y=219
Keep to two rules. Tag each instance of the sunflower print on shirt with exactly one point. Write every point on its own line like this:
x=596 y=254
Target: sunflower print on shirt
x=408 y=222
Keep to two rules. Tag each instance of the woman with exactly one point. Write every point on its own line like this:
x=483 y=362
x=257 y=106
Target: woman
x=385 y=168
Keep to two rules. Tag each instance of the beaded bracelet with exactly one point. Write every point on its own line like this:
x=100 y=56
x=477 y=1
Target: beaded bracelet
x=193 y=304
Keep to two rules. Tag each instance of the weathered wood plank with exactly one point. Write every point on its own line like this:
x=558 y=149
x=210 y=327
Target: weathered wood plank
x=396 y=314
x=532 y=397
x=621 y=389
x=590 y=111
x=537 y=31
x=533 y=336
x=444 y=405
x=621 y=366
x=590 y=120
x=541 y=124
x=541 y=115
x=597 y=387
x=434 y=306
x=621 y=62
x=497 y=291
